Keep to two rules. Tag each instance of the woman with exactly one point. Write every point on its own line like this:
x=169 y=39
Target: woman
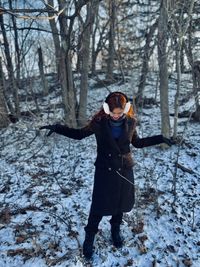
x=114 y=127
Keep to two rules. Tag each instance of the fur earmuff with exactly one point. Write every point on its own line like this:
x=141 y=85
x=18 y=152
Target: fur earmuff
x=127 y=107
x=107 y=110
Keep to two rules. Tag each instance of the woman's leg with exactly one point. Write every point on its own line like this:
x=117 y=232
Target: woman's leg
x=116 y=219
x=115 y=222
x=90 y=231
x=93 y=222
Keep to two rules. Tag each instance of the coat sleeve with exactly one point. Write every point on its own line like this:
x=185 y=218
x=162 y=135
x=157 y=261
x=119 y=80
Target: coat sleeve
x=147 y=141
x=74 y=133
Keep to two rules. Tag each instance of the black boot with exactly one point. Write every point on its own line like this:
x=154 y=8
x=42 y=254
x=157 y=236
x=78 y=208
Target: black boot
x=116 y=237
x=88 y=245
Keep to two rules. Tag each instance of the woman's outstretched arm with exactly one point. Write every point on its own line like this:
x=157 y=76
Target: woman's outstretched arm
x=69 y=132
x=150 y=141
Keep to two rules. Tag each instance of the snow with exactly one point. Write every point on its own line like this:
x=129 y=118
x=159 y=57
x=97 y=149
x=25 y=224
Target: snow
x=46 y=187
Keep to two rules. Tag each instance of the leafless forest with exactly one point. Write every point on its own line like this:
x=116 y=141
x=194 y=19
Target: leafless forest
x=58 y=61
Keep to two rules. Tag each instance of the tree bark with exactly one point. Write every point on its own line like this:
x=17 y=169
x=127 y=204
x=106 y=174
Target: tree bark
x=17 y=49
x=111 y=48
x=4 y=120
x=163 y=68
x=176 y=101
x=85 y=56
x=55 y=34
x=66 y=75
x=42 y=74
x=99 y=44
x=145 y=63
x=10 y=70
x=180 y=33
x=196 y=73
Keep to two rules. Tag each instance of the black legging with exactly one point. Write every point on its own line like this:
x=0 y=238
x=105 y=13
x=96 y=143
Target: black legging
x=94 y=220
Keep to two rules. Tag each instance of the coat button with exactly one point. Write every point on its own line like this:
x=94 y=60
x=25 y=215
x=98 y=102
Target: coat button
x=109 y=155
x=119 y=169
x=119 y=155
x=109 y=169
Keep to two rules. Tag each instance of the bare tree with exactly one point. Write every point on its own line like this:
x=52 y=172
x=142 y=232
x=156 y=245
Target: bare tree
x=111 y=39
x=10 y=69
x=17 y=49
x=64 y=55
x=196 y=73
x=181 y=29
x=4 y=120
x=163 y=68
x=99 y=43
x=42 y=74
x=148 y=50
x=85 y=56
x=55 y=34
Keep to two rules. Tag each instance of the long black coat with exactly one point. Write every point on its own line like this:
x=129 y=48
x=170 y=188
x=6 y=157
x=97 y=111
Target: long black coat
x=113 y=190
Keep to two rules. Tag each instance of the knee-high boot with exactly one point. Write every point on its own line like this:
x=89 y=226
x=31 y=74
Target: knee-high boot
x=90 y=231
x=115 y=222
x=116 y=237
x=88 y=244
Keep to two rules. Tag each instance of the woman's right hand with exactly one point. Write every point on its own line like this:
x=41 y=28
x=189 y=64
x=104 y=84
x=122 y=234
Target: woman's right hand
x=51 y=128
x=168 y=141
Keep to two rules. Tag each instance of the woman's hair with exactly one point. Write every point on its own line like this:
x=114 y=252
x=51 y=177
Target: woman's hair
x=115 y=100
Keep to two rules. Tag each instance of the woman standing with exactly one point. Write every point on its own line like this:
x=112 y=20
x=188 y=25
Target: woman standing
x=114 y=127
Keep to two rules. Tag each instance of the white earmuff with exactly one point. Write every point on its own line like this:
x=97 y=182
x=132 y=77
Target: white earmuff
x=127 y=107
x=106 y=108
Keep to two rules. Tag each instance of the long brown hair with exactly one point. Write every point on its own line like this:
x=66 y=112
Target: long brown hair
x=115 y=100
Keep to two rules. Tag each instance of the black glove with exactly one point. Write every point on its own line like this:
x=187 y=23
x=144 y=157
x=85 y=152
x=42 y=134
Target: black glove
x=51 y=128
x=168 y=141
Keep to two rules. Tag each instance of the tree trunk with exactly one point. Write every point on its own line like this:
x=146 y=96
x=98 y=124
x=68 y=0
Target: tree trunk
x=181 y=31
x=66 y=74
x=10 y=69
x=176 y=102
x=4 y=120
x=42 y=75
x=111 y=48
x=163 y=68
x=55 y=34
x=195 y=66
x=94 y=54
x=85 y=55
x=17 y=49
x=98 y=45
x=196 y=73
x=145 y=63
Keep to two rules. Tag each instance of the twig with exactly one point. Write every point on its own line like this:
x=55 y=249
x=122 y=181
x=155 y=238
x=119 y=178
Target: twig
x=183 y=168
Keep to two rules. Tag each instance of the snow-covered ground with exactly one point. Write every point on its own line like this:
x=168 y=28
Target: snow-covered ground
x=46 y=186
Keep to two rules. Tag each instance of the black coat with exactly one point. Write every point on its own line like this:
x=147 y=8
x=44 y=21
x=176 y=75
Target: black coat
x=113 y=190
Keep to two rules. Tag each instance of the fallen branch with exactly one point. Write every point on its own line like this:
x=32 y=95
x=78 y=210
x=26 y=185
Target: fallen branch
x=184 y=169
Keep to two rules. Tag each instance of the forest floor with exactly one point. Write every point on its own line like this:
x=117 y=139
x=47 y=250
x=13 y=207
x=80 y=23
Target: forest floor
x=46 y=186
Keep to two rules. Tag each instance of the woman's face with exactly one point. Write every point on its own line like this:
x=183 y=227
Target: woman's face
x=116 y=113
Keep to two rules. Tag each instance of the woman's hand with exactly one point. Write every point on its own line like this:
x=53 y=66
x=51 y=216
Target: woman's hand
x=168 y=141
x=51 y=128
